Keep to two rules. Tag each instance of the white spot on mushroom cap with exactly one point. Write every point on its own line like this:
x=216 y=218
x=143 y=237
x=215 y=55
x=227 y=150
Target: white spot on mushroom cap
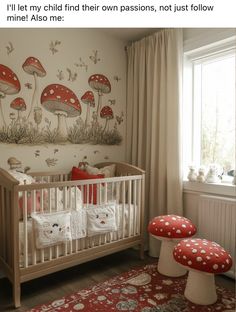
x=203 y=251
x=178 y=232
x=189 y=262
x=215 y=266
x=167 y=223
x=194 y=251
x=51 y=91
x=199 y=259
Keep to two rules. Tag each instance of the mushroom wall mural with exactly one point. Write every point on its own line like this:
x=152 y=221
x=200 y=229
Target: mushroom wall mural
x=33 y=67
x=107 y=114
x=52 y=130
x=101 y=85
x=63 y=103
x=81 y=110
x=9 y=84
x=88 y=99
x=19 y=105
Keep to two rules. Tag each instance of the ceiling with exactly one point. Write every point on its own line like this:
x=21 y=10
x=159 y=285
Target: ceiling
x=130 y=34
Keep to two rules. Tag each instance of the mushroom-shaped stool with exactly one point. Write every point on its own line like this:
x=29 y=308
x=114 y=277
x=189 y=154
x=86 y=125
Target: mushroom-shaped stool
x=170 y=229
x=203 y=259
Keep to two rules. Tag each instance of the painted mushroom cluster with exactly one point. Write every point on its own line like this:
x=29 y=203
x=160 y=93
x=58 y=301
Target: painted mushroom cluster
x=9 y=84
x=61 y=102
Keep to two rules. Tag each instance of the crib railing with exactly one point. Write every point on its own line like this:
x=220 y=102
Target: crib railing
x=48 y=197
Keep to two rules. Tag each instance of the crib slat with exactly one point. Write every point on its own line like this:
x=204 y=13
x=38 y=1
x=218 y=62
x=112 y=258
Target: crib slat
x=123 y=209
x=135 y=207
x=129 y=207
x=139 y=206
x=41 y=210
x=56 y=208
x=49 y=199
x=25 y=225
x=33 y=249
x=65 y=209
x=3 y=224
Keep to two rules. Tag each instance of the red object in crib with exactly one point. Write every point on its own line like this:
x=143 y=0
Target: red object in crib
x=30 y=204
x=89 y=193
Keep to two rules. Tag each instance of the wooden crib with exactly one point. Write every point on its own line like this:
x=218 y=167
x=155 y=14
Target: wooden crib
x=21 y=261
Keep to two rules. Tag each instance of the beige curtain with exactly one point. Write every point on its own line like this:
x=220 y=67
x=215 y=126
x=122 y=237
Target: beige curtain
x=153 y=120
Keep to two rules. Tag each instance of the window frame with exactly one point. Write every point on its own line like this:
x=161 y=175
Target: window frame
x=191 y=114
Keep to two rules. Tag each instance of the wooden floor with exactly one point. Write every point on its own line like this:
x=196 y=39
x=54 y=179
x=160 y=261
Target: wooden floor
x=62 y=283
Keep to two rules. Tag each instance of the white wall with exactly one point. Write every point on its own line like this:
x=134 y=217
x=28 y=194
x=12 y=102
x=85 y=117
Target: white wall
x=76 y=46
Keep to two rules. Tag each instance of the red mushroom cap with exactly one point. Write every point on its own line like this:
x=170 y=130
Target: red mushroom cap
x=56 y=97
x=9 y=82
x=171 y=226
x=106 y=112
x=88 y=98
x=32 y=65
x=100 y=83
x=18 y=104
x=202 y=255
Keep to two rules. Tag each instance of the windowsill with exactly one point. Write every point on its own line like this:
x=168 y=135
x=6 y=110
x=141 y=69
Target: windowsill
x=224 y=189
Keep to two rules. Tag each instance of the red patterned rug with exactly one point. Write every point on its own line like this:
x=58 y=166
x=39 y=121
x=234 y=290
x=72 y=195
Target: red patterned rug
x=139 y=290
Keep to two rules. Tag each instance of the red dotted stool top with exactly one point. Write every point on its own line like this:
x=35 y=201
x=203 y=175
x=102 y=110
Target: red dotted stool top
x=171 y=226
x=202 y=255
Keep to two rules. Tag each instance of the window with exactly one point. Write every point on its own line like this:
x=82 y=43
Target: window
x=209 y=108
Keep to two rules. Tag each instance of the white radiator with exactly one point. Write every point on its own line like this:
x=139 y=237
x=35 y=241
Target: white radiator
x=217 y=222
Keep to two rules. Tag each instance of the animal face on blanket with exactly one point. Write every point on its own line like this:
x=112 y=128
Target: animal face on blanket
x=101 y=219
x=55 y=230
x=51 y=228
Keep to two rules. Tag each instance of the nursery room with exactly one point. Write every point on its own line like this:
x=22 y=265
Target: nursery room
x=117 y=169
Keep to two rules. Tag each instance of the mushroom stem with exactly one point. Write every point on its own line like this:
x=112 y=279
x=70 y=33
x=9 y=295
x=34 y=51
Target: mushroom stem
x=99 y=101
x=167 y=264
x=200 y=288
x=2 y=120
x=87 y=115
x=61 y=127
x=105 y=125
x=35 y=95
x=18 y=116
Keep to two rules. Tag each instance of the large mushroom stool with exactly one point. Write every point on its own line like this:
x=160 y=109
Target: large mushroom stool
x=203 y=259
x=170 y=229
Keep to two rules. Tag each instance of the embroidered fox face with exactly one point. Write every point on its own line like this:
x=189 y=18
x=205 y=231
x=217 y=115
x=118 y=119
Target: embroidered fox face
x=102 y=218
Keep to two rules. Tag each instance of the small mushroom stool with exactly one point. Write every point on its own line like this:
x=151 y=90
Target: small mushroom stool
x=170 y=229
x=203 y=259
